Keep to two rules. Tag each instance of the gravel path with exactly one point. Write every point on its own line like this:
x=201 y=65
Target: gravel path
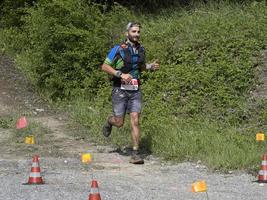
x=67 y=178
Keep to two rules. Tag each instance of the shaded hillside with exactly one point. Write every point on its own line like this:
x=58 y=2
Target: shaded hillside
x=17 y=94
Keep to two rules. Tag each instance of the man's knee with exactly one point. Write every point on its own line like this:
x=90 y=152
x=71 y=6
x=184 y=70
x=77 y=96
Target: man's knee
x=135 y=119
x=118 y=121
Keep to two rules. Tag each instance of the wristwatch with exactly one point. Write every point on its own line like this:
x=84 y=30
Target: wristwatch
x=118 y=74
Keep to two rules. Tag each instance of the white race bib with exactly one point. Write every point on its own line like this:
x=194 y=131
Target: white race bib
x=133 y=85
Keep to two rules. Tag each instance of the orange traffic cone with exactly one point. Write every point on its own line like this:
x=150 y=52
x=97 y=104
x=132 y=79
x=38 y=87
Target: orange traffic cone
x=35 y=175
x=262 y=177
x=94 y=193
x=21 y=123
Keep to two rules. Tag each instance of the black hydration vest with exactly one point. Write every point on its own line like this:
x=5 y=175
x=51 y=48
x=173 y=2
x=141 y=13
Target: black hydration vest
x=131 y=60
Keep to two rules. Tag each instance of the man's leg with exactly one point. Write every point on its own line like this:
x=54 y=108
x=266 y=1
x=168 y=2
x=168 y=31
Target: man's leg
x=136 y=158
x=116 y=121
x=112 y=121
x=134 y=116
x=134 y=108
x=119 y=103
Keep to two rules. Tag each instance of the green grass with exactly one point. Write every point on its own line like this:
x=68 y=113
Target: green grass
x=33 y=129
x=6 y=122
x=218 y=145
x=18 y=135
x=93 y=117
x=14 y=139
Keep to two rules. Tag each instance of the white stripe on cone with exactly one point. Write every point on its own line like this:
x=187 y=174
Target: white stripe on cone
x=35 y=164
x=35 y=174
x=263 y=172
x=94 y=190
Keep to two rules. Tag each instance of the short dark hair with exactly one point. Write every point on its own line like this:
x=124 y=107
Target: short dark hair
x=132 y=24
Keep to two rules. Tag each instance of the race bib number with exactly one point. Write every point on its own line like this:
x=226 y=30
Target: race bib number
x=133 y=85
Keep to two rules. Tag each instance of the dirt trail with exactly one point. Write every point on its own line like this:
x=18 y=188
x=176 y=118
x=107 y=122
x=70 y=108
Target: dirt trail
x=67 y=178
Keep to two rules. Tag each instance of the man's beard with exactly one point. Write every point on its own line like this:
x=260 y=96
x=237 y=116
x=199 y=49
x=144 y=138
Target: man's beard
x=132 y=39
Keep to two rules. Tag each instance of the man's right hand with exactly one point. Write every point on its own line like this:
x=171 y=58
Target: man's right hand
x=126 y=77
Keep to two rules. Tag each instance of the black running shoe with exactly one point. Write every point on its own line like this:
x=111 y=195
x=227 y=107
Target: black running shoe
x=136 y=158
x=107 y=129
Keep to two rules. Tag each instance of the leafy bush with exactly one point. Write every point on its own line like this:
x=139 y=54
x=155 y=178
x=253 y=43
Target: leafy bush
x=66 y=42
x=207 y=60
x=11 y=12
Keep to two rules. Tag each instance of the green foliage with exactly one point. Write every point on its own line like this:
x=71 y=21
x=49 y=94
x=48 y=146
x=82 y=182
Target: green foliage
x=154 y=6
x=207 y=64
x=11 y=12
x=64 y=43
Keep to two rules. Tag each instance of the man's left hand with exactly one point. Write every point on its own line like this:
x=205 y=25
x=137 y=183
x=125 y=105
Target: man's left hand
x=155 y=65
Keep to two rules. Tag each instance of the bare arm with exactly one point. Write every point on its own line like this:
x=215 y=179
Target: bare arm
x=110 y=70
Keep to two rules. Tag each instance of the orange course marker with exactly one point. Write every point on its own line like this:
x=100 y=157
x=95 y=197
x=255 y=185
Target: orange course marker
x=86 y=158
x=29 y=139
x=260 y=137
x=199 y=186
